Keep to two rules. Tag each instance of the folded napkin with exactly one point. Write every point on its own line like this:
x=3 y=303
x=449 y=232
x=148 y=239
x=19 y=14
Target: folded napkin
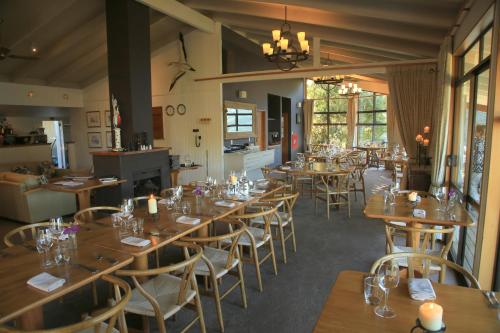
x=188 y=220
x=163 y=202
x=224 y=203
x=257 y=191
x=136 y=241
x=421 y=289
x=419 y=213
x=46 y=282
x=68 y=183
x=286 y=168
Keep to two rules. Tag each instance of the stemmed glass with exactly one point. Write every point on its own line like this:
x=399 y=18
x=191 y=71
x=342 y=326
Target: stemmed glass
x=43 y=244
x=440 y=195
x=56 y=228
x=128 y=207
x=388 y=278
x=394 y=190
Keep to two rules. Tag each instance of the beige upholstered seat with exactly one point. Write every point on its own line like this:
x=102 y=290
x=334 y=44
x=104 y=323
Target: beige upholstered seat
x=219 y=260
x=258 y=234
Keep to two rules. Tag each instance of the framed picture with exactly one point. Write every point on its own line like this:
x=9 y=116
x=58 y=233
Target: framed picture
x=94 y=139
x=107 y=118
x=93 y=119
x=109 y=139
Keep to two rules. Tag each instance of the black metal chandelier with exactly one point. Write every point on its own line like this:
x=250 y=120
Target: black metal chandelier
x=334 y=79
x=284 y=52
x=350 y=90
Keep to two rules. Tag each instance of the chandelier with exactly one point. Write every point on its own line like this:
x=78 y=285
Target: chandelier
x=284 y=51
x=350 y=90
x=334 y=79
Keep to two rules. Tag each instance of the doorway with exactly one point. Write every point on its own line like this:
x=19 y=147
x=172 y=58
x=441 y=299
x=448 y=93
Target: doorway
x=286 y=110
x=55 y=136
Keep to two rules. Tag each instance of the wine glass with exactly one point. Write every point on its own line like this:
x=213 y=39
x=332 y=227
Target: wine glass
x=56 y=227
x=388 y=278
x=394 y=189
x=440 y=195
x=43 y=244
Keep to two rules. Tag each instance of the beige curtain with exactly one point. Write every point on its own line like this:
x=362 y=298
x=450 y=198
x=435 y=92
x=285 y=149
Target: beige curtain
x=441 y=116
x=308 y=108
x=393 y=135
x=413 y=90
x=351 y=121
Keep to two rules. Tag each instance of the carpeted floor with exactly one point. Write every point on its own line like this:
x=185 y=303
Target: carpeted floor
x=292 y=300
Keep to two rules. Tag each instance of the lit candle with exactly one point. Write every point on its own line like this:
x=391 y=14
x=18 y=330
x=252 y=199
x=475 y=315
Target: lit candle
x=350 y=84
x=152 y=205
x=233 y=179
x=303 y=45
x=307 y=48
x=301 y=35
x=266 y=47
x=283 y=44
x=276 y=35
x=419 y=138
x=427 y=129
x=431 y=316
x=426 y=142
x=270 y=50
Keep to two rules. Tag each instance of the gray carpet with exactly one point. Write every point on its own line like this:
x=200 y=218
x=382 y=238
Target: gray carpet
x=292 y=300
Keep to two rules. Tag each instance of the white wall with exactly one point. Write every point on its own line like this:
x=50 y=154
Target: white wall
x=202 y=100
x=26 y=94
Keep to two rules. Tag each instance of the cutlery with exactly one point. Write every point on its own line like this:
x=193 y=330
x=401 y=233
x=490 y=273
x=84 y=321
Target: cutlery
x=112 y=261
x=92 y=270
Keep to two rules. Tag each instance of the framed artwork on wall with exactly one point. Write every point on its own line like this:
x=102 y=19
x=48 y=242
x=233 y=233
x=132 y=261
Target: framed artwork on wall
x=109 y=139
x=94 y=139
x=93 y=119
x=107 y=118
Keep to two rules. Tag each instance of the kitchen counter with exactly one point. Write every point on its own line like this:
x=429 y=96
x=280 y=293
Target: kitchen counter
x=249 y=160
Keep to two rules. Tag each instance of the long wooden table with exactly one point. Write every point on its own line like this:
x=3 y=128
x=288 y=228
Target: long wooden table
x=314 y=169
x=345 y=311
x=18 y=264
x=82 y=191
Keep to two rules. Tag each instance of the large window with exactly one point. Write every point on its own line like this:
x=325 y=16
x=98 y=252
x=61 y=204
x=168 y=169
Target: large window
x=330 y=114
x=372 y=118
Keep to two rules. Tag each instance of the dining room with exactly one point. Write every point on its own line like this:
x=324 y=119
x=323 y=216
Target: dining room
x=249 y=166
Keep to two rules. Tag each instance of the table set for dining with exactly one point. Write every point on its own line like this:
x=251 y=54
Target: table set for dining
x=103 y=245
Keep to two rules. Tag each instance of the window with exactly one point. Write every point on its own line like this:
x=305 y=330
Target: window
x=330 y=114
x=239 y=120
x=372 y=118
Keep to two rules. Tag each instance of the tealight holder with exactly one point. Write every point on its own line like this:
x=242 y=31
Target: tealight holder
x=155 y=217
x=419 y=328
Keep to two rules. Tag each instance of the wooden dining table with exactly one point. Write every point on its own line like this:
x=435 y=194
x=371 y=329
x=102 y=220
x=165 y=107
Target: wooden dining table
x=402 y=211
x=313 y=169
x=345 y=311
x=98 y=238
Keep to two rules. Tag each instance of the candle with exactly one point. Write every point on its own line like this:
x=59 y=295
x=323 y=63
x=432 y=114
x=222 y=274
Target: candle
x=276 y=35
x=303 y=45
x=419 y=138
x=412 y=196
x=233 y=179
x=301 y=35
x=431 y=316
x=152 y=205
x=283 y=44
x=265 y=48
x=427 y=129
x=426 y=142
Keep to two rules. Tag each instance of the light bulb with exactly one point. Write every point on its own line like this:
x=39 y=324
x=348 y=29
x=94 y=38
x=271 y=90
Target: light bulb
x=276 y=35
x=301 y=35
x=265 y=48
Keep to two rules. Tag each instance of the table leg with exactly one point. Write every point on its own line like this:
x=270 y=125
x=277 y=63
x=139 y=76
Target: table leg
x=413 y=238
x=32 y=319
x=83 y=199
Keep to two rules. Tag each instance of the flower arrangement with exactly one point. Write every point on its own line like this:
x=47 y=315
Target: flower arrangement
x=71 y=230
x=198 y=191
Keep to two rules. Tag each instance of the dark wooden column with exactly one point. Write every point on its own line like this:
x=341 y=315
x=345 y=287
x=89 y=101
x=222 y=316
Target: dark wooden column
x=129 y=66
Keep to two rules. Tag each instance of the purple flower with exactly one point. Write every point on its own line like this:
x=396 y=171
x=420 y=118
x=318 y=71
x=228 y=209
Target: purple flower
x=198 y=191
x=73 y=229
x=451 y=193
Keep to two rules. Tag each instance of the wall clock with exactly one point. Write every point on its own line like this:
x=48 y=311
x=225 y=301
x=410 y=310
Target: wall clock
x=169 y=110
x=181 y=109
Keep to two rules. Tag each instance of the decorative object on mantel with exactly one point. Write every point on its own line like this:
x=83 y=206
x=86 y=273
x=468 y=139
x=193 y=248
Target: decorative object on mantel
x=93 y=119
x=284 y=53
x=350 y=90
x=169 y=110
x=423 y=142
x=181 y=109
x=117 y=121
x=181 y=65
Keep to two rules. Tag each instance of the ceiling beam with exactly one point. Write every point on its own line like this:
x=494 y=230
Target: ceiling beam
x=433 y=15
x=182 y=13
x=397 y=45
x=325 y=19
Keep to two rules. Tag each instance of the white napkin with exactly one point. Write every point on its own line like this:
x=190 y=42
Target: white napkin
x=223 y=203
x=163 y=202
x=68 y=183
x=419 y=213
x=421 y=289
x=188 y=220
x=257 y=191
x=136 y=241
x=285 y=168
x=46 y=282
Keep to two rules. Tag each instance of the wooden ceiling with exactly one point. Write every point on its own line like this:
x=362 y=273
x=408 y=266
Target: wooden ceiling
x=71 y=38
x=71 y=35
x=351 y=31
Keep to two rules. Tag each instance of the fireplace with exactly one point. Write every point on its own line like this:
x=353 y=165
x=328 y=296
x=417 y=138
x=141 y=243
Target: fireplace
x=146 y=172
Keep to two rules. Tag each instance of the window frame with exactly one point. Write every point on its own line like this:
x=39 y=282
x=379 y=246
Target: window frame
x=373 y=124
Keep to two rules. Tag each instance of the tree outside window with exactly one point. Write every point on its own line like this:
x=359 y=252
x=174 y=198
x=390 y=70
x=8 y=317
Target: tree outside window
x=372 y=118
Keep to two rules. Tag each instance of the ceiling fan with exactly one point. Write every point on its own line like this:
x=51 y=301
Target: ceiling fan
x=5 y=52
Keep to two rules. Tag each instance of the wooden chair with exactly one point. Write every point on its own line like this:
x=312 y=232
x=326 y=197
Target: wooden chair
x=96 y=323
x=357 y=183
x=285 y=203
x=254 y=238
x=21 y=232
x=333 y=188
x=426 y=243
x=163 y=295
x=419 y=262
x=218 y=262
x=93 y=213
x=275 y=176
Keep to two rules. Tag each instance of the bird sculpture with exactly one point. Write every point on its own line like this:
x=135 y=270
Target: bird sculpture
x=181 y=65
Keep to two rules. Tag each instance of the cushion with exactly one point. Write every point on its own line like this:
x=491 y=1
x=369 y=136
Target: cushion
x=27 y=181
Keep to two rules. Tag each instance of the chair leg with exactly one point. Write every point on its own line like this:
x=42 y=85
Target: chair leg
x=242 y=285
x=349 y=205
x=215 y=289
x=292 y=230
x=282 y=240
x=257 y=266
x=273 y=256
x=364 y=192
x=199 y=309
x=328 y=206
